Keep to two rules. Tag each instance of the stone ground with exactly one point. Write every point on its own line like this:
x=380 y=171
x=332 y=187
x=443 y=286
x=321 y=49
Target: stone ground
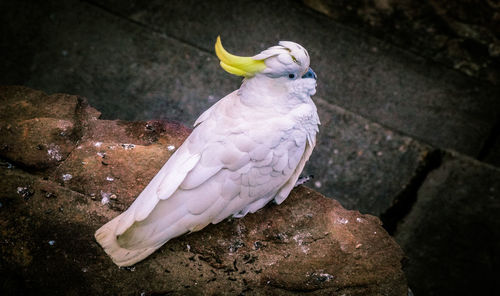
x=406 y=132
x=73 y=172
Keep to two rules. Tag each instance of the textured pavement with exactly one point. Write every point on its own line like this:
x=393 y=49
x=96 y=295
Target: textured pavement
x=388 y=115
x=136 y=61
x=452 y=236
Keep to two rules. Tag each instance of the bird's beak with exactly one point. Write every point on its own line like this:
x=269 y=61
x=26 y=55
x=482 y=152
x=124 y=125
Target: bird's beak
x=310 y=74
x=241 y=66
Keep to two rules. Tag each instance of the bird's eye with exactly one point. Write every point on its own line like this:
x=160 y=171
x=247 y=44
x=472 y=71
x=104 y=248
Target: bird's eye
x=291 y=76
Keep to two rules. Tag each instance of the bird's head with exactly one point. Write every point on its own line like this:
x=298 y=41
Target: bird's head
x=286 y=63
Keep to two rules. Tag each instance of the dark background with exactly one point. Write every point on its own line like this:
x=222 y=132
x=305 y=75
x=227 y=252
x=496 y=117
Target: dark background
x=408 y=94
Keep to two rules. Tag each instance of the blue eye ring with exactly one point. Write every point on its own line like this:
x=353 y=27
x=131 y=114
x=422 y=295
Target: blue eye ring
x=291 y=76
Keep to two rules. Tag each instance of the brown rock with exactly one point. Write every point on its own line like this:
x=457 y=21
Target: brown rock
x=39 y=131
x=119 y=158
x=47 y=221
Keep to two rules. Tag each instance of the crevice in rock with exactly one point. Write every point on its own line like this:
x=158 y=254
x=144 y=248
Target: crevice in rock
x=7 y=163
x=145 y=26
x=80 y=121
x=75 y=136
x=405 y=200
x=489 y=143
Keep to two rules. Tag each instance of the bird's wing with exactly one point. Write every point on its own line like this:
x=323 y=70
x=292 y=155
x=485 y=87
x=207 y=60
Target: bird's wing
x=227 y=166
x=287 y=188
x=245 y=166
x=231 y=177
x=195 y=161
x=272 y=163
x=163 y=184
x=172 y=174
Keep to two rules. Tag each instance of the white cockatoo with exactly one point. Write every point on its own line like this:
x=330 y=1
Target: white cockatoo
x=247 y=149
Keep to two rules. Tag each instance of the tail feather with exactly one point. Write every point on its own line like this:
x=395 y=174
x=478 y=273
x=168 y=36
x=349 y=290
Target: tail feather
x=106 y=237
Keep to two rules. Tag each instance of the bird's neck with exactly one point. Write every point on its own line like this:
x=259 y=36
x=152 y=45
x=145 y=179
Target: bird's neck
x=280 y=93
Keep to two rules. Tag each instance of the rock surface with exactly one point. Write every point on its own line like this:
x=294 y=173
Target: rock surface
x=463 y=35
x=49 y=210
x=34 y=133
x=452 y=235
x=362 y=164
x=155 y=59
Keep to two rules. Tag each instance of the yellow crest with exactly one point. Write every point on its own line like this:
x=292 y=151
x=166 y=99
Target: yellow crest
x=241 y=66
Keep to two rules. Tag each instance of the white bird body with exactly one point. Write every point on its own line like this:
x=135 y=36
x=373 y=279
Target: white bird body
x=246 y=150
